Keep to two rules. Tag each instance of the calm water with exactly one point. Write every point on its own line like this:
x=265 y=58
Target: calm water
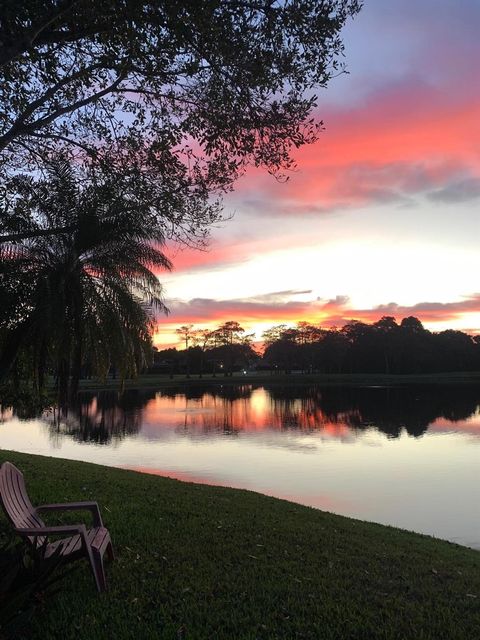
x=408 y=457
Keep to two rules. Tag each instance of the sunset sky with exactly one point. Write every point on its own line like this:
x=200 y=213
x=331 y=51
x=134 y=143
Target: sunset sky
x=381 y=216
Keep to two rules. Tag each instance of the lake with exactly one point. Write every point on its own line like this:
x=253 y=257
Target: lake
x=404 y=456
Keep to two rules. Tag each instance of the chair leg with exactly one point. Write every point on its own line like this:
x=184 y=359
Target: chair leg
x=109 y=552
x=97 y=577
x=96 y=563
x=99 y=571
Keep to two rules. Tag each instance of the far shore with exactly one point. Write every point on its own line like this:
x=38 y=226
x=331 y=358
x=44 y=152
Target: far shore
x=149 y=381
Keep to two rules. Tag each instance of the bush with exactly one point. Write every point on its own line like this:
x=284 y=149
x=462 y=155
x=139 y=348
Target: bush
x=26 y=581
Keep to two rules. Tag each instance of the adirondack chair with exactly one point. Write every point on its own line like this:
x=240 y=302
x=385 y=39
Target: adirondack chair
x=89 y=543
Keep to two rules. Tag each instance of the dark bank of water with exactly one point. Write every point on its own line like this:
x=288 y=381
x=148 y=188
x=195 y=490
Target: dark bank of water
x=406 y=456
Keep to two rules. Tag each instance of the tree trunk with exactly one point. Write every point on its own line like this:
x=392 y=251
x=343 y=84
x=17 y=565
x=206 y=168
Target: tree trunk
x=15 y=340
x=78 y=340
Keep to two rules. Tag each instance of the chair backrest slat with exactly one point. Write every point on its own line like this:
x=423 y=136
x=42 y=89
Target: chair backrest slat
x=16 y=503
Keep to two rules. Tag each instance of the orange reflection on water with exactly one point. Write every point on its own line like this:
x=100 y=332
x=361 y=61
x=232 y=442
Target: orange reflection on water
x=253 y=410
x=469 y=425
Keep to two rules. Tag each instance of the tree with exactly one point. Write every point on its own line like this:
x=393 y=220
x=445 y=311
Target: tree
x=185 y=332
x=387 y=331
x=183 y=94
x=230 y=332
x=415 y=347
x=232 y=346
x=308 y=333
x=202 y=339
x=283 y=352
x=273 y=334
x=412 y=325
x=85 y=296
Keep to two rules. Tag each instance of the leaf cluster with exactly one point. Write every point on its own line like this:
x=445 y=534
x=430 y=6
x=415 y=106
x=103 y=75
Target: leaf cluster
x=211 y=85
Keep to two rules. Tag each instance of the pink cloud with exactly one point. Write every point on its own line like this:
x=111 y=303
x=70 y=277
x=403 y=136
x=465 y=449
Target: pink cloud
x=405 y=141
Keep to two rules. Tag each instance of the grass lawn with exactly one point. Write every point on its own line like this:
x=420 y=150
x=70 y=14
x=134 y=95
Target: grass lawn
x=200 y=562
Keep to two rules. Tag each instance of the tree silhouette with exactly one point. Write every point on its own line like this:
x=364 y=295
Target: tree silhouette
x=82 y=297
x=202 y=339
x=381 y=347
x=185 y=332
x=185 y=94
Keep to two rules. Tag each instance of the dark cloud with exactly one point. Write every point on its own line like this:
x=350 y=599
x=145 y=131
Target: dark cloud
x=458 y=191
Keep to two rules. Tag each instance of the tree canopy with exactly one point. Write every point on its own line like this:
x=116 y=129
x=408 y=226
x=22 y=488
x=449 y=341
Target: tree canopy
x=187 y=93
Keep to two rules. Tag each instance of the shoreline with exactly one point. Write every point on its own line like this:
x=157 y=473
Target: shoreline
x=149 y=381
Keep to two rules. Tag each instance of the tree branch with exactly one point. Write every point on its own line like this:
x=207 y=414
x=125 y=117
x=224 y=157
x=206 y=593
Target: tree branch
x=28 y=129
x=36 y=233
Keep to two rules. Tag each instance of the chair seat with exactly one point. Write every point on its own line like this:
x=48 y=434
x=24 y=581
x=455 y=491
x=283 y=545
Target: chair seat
x=98 y=538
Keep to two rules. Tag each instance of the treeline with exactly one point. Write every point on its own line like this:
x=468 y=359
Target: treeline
x=384 y=346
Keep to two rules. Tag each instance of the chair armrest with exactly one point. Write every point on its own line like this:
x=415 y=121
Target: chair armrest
x=47 y=531
x=76 y=506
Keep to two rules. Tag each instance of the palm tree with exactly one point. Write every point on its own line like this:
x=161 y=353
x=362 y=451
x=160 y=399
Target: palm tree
x=86 y=295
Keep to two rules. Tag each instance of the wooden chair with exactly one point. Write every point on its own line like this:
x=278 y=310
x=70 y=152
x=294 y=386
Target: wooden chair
x=90 y=543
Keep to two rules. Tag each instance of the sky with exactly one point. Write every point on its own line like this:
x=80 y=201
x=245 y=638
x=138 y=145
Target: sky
x=381 y=215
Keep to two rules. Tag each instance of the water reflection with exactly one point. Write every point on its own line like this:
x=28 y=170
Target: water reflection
x=100 y=418
x=403 y=456
x=205 y=411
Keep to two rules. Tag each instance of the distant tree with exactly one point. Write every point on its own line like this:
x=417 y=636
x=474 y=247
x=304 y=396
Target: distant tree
x=308 y=333
x=230 y=332
x=273 y=334
x=186 y=333
x=171 y=358
x=386 y=330
x=412 y=325
x=332 y=351
x=202 y=340
x=455 y=350
x=359 y=336
x=415 y=347
x=284 y=352
x=381 y=347
x=233 y=346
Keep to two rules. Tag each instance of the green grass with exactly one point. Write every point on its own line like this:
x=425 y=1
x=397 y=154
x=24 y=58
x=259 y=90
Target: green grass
x=158 y=381
x=200 y=562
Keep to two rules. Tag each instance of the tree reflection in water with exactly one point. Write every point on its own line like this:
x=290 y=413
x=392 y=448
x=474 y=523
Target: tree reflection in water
x=101 y=418
x=203 y=410
x=387 y=409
